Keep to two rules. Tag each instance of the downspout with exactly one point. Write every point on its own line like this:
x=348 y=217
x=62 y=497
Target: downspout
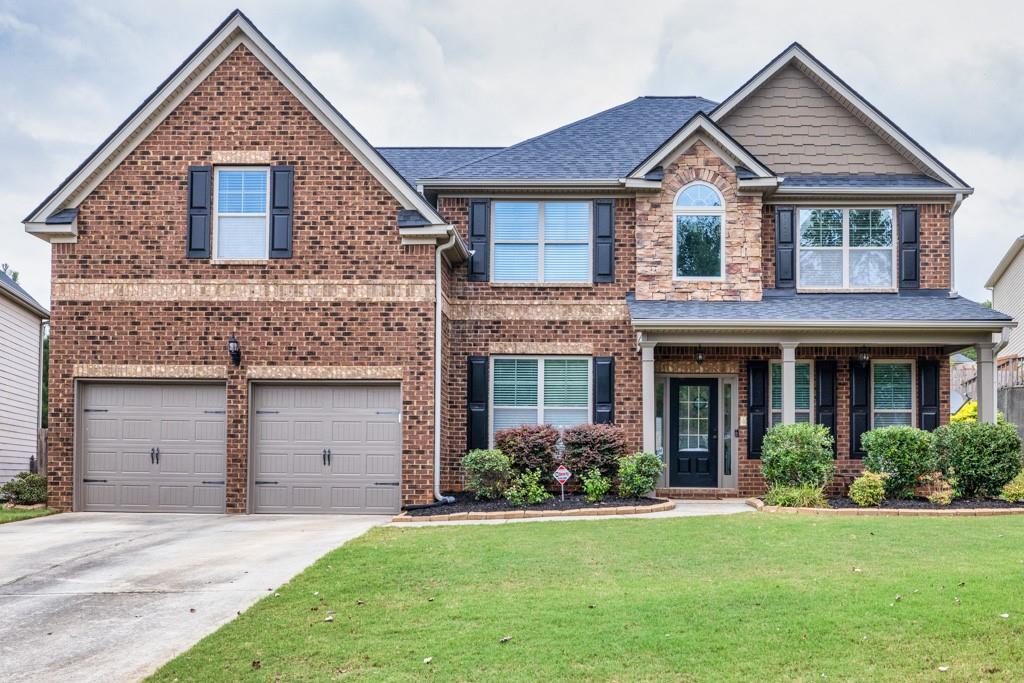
x=438 y=349
x=952 y=244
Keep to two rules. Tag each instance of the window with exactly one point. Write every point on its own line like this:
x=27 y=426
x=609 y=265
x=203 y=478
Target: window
x=553 y=391
x=803 y=392
x=541 y=241
x=241 y=211
x=846 y=249
x=699 y=236
x=892 y=389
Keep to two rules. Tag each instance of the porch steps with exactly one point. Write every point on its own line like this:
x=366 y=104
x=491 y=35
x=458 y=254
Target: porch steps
x=689 y=493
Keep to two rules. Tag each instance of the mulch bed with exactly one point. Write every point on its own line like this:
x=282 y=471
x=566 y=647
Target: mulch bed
x=466 y=503
x=915 y=504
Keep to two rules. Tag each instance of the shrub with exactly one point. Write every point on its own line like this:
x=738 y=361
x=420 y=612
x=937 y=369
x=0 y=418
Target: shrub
x=638 y=474
x=868 y=490
x=968 y=413
x=596 y=486
x=25 y=489
x=1014 y=490
x=902 y=453
x=529 y=447
x=941 y=497
x=804 y=496
x=487 y=473
x=797 y=455
x=981 y=457
x=593 y=446
x=526 y=489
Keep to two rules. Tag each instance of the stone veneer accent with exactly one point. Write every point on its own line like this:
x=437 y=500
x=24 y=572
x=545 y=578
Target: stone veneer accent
x=541 y=348
x=112 y=371
x=539 y=310
x=240 y=290
x=655 y=229
x=241 y=156
x=298 y=372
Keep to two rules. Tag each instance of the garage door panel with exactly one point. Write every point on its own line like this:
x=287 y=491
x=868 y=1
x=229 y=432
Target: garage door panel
x=309 y=431
x=101 y=461
x=272 y=464
x=273 y=430
x=133 y=462
x=136 y=430
x=382 y=465
x=208 y=464
x=211 y=431
x=102 y=428
x=382 y=498
x=306 y=462
x=347 y=431
x=347 y=464
x=382 y=431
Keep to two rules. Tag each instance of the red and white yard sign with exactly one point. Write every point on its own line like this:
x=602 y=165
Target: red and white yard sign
x=562 y=474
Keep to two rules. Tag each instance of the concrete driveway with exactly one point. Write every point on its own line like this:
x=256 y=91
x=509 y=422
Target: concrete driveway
x=110 y=597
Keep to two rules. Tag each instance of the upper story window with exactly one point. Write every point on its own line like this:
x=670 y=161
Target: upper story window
x=241 y=210
x=846 y=249
x=699 y=232
x=538 y=241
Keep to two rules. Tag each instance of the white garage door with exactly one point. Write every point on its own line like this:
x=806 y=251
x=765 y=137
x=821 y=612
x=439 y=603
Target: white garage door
x=327 y=448
x=152 y=448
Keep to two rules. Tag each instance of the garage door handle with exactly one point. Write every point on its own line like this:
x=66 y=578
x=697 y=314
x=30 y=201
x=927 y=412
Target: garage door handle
x=264 y=483
x=323 y=457
x=387 y=483
x=328 y=457
x=152 y=456
x=95 y=481
x=158 y=456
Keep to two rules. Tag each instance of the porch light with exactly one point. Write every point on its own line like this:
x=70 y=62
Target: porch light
x=235 y=350
x=700 y=355
x=863 y=356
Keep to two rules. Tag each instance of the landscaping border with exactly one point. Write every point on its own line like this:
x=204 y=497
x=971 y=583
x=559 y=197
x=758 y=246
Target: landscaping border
x=535 y=514
x=759 y=505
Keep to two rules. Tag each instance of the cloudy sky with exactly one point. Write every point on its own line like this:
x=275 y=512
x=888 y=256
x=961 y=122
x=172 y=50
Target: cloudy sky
x=475 y=72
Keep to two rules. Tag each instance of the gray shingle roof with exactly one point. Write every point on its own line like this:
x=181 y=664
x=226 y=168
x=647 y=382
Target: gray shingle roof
x=821 y=307
x=901 y=180
x=414 y=163
x=607 y=145
x=15 y=291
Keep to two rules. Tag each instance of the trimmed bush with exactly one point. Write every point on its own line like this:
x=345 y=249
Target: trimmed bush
x=941 y=498
x=1013 y=492
x=25 y=489
x=981 y=458
x=805 y=496
x=596 y=486
x=593 y=446
x=968 y=413
x=487 y=473
x=797 y=455
x=901 y=453
x=526 y=489
x=868 y=490
x=638 y=474
x=530 y=447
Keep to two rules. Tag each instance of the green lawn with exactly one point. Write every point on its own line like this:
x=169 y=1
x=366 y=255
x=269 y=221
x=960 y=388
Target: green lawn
x=18 y=515
x=740 y=598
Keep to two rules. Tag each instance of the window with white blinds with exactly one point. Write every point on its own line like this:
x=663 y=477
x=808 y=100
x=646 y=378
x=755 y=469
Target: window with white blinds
x=241 y=213
x=541 y=241
x=892 y=389
x=803 y=392
x=553 y=391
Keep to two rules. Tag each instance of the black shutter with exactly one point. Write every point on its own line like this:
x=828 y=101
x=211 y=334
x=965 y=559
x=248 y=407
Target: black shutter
x=604 y=389
x=200 y=201
x=785 y=247
x=476 y=403
x=282 y=181
x=479 y=239
x=860 y=405
x=910 y=249
x=604 y=240
x=825 y=397
x=757 y=406
x=928 y=398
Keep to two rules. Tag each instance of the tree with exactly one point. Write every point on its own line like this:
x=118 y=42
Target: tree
x=6 y=270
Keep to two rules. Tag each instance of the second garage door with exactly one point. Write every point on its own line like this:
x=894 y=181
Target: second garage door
x=327 y=448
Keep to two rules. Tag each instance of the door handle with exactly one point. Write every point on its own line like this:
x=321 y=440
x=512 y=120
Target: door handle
x=157 y=456
x=323 y=457
x=152 y=456
x=328 y=457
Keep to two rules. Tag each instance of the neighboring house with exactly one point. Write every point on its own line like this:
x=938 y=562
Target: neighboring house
x=22 y=325
x=691 y=271
x=1007 y=285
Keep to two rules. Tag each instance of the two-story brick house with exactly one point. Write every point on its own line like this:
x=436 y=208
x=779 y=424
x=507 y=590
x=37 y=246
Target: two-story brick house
x=256 y=310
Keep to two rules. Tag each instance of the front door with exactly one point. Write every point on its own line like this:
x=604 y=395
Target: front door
x=693 y=433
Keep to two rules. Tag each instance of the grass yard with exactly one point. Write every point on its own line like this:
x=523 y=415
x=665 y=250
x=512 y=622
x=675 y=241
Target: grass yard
x=18 y=515
x=737 y=598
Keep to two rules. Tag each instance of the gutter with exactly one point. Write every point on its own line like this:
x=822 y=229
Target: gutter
x=952 y=244
x=704 y=324
x=453 y=239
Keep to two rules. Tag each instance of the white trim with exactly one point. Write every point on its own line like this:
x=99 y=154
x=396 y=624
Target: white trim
x=700 y=123
x=539 y=408
x=796 y=53
x=846 y=250
x=1004 y=263
x=541 y=242
x=235 y=32
x=913 y=388
x=215 y=223
x=719 y=212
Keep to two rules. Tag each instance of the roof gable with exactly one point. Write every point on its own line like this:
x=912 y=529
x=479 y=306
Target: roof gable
x=234 y=31
x=1004 y=263
x=797 y=58
x=16 y=293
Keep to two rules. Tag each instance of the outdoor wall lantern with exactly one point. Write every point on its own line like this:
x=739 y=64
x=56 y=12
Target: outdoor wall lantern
x=863 y=356
x=700 y=355
x=235 y=349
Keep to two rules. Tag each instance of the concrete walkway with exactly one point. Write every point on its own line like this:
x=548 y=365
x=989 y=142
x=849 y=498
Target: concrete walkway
x=110 y=597
x=684 y=508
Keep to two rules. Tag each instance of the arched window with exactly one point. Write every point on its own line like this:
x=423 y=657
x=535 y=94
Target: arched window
x=699 y=212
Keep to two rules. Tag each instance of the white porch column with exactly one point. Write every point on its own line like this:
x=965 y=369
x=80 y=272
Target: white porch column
x=648 y=394
x=986 y=383
x=788 y=382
